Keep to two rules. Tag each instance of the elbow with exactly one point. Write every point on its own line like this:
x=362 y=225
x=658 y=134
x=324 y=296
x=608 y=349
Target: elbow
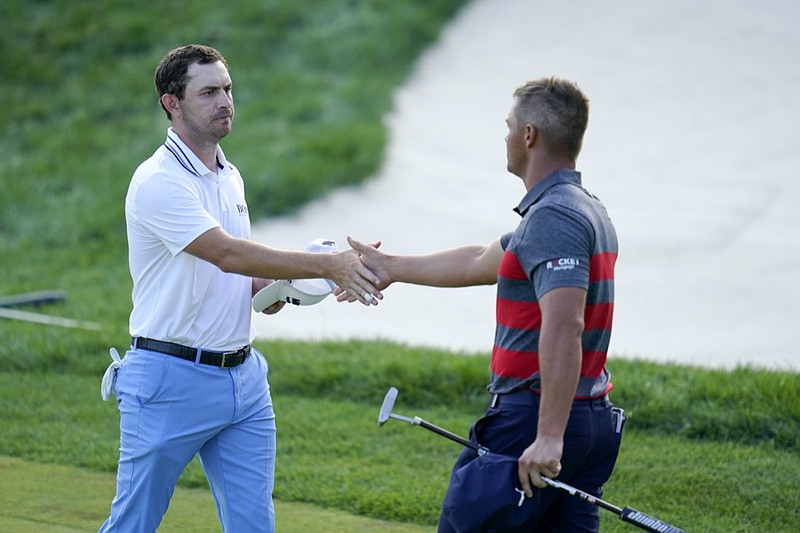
x=567 y=332
x=219 y=249
x=578 y=332
x=224 y=258
x=226 y=262
x=489 y=280
x=225 y=266
x=573 y=328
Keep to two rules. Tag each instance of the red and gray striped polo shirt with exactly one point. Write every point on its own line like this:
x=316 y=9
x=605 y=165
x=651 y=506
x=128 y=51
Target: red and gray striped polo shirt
x=565 y=239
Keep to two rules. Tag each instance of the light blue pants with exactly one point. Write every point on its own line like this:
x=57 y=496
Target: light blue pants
x=170 y=410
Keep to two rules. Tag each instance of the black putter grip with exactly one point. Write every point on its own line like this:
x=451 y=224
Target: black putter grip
x=648 y=523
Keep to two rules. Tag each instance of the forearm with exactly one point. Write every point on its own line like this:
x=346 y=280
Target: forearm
x=560 y=357
x=457 y=267
x=560 y=365
x=248 y=258
x=257 y=260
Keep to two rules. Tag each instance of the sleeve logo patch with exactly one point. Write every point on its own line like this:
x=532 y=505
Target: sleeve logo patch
x=564 y=263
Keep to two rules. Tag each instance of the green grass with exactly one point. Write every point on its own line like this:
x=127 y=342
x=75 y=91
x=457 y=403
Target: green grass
x=40 y=498
x=312 y=81
x=707 y=450
x=716 y=471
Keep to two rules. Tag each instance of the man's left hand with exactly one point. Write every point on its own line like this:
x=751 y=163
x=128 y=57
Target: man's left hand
x=260 y=283
x=542 y=458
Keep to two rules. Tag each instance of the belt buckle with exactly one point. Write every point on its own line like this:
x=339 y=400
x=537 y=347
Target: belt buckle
x=225 y=355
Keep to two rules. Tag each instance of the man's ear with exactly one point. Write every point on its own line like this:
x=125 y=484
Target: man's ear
x=530 y=135
x=170 y=103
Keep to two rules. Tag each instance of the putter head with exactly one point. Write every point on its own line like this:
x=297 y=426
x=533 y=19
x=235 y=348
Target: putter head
x=388 y=405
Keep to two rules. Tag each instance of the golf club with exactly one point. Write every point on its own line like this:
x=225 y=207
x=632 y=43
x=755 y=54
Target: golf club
x=626 y=514
x=8 y=303
x=386 y=413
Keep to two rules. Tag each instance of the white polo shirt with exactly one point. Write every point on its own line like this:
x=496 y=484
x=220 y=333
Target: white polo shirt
x=173 y=199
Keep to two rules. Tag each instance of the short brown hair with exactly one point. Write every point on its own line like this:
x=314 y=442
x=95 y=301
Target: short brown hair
x=558 y=109
x=171 y=71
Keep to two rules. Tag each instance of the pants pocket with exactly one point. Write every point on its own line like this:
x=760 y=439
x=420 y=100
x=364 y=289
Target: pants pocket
x=141 y=377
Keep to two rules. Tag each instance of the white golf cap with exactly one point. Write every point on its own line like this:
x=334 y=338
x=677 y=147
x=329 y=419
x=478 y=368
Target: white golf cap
x=298 y=291
x=321 y=245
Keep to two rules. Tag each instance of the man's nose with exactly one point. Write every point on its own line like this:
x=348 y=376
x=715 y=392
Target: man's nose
x=225 y=100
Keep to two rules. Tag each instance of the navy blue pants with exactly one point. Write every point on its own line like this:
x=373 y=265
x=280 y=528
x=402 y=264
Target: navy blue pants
x=591 y=445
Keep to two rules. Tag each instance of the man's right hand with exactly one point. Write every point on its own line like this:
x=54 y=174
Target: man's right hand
x=373 y=260
x=356 y=277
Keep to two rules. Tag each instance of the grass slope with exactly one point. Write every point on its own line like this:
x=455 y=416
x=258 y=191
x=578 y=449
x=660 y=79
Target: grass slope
x=312 y=81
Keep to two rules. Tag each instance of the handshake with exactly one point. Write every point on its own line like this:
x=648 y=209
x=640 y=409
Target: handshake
x=302 y=292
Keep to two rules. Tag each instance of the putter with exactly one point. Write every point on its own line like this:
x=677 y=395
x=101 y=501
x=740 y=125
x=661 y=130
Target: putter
x=386 y=413
x=626 y=514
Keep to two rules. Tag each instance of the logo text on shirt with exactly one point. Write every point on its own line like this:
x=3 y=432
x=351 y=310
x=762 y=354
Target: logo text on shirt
x=563 y=263
x=242 y=208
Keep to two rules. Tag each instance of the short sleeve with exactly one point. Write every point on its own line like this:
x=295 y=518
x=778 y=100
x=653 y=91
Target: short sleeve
x=171 y=208
x=559 y=251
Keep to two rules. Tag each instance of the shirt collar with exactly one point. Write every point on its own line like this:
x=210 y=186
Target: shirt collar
x=187 y=158
x=538 y=190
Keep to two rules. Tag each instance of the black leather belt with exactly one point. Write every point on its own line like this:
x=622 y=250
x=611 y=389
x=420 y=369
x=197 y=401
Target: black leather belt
x=207 y=357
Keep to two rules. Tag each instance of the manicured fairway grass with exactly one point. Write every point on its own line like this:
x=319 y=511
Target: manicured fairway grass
x=727 y=467
x=41 y=498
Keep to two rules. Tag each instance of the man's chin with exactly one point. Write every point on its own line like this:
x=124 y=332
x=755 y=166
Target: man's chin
x=223 y=129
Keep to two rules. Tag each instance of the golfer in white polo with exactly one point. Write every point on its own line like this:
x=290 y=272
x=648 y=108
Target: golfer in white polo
x=191 y=382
